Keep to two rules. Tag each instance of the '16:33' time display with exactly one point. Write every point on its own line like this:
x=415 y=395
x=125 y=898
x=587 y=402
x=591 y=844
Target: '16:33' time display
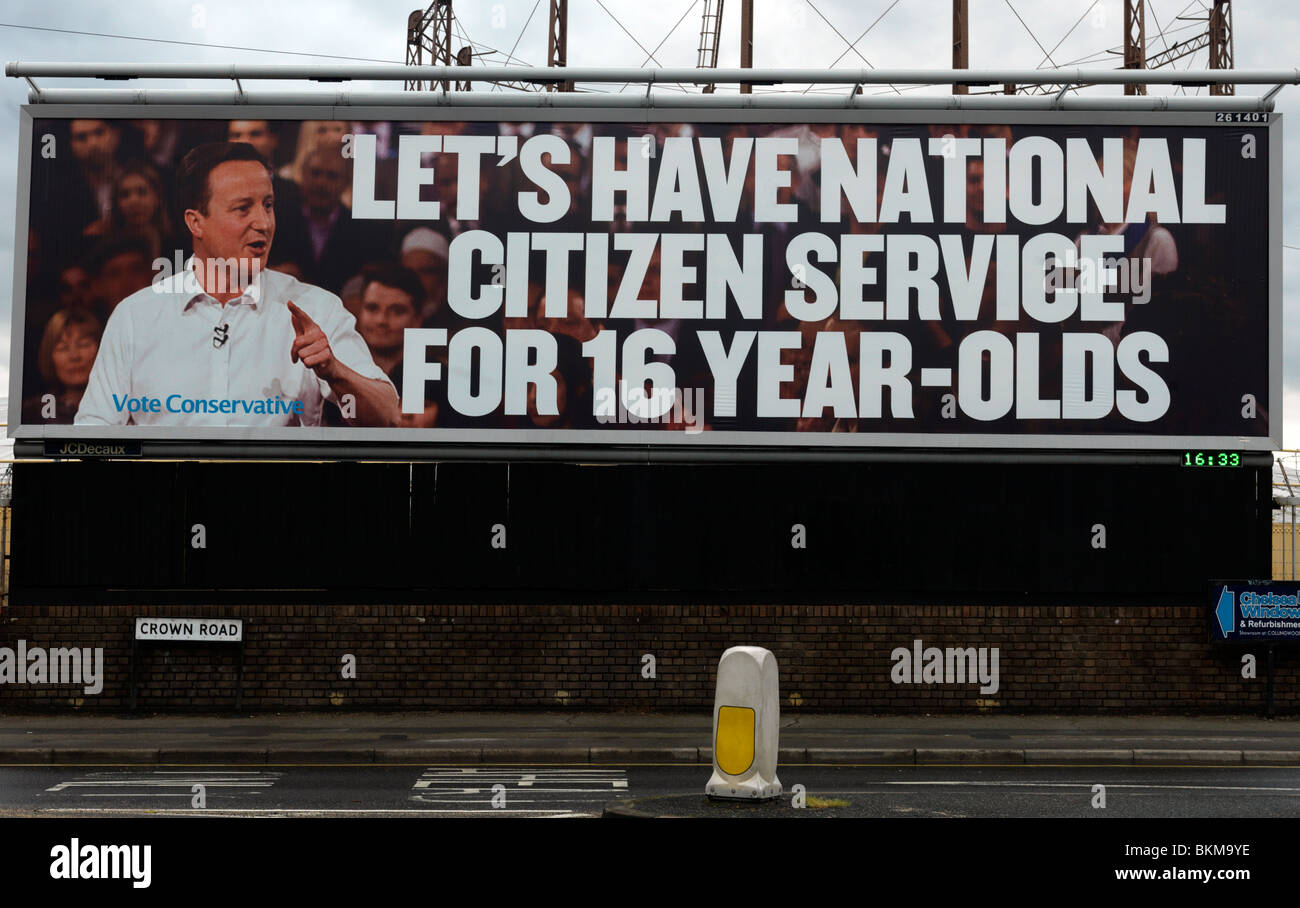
x=1211 y=459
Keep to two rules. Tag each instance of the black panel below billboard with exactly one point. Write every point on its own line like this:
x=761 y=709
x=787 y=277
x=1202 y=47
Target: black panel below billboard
x=90 y=532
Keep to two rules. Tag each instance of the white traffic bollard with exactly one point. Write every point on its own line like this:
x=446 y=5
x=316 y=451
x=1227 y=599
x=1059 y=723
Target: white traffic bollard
x=746 y=726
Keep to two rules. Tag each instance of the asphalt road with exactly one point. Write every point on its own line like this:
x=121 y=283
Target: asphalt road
x=585 y=791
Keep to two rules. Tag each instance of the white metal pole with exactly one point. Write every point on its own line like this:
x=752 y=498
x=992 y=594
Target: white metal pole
x=663 y=100
x=543 y=74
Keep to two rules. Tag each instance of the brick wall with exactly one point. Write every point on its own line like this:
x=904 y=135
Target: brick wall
x=1065 y=659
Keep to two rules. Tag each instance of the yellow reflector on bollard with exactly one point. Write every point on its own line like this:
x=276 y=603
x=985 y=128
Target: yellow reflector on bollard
x=735 y=743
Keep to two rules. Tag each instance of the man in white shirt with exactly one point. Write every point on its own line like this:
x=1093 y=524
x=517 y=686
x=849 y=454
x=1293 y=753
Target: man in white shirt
x=226 y=342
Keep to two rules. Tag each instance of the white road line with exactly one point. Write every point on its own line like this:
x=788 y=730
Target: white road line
x=426 y=800
x=543 y=781
x=157 y=783
x=515 y=780
x=545 y=791
x=144 y=794
x=155 y=780
x=471 y=787
x=308 y=812
x=516 y=773
x=533 y=780
x=1089 y=785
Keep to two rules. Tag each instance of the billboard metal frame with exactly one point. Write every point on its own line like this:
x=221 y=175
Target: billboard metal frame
x=1065 y=78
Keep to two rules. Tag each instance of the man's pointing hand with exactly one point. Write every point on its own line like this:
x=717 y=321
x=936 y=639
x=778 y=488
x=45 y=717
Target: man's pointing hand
x=311 y=345
x=376 y=401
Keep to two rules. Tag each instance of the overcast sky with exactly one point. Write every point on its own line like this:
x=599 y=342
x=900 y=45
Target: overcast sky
x=910 y=33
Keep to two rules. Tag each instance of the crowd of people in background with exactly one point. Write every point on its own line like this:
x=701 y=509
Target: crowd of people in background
x=104 y=217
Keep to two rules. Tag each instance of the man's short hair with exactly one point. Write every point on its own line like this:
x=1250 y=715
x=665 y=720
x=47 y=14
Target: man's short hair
x=397 y=277
x=192 y=186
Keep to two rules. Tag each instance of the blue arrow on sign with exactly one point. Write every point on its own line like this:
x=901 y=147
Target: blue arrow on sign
x=1225 y=611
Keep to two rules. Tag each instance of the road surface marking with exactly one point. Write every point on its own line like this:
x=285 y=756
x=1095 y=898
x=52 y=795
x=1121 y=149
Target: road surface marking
x=472 y=788
x=153 y=783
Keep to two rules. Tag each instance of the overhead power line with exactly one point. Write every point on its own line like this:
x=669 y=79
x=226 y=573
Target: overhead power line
x=1097 y=56
x=520 y=36
x=259 y=50
x=1160 y=32
x=840 y=33
x=1048 y=55
x=649 y=54
x=665 y=38
x=853 y=46
x=671 y=30
x=511 y=56
x=864 y=34
x=845 y=40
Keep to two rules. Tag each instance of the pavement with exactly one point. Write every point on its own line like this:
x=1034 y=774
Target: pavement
x=641 y=738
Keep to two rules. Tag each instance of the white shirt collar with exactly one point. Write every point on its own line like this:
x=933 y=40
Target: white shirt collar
x=188 y=286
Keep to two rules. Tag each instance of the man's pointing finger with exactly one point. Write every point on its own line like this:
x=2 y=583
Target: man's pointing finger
x=301 y=320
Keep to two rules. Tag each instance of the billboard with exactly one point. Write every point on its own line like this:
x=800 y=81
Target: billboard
x=218 y=276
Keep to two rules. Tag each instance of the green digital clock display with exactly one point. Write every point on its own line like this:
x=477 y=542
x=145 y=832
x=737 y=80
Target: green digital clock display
x=1211 y=459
